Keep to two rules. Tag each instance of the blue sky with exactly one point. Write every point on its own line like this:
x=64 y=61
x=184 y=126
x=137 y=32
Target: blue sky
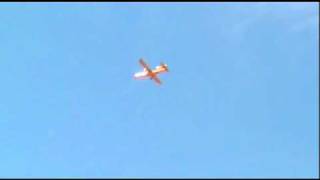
x=240 y=100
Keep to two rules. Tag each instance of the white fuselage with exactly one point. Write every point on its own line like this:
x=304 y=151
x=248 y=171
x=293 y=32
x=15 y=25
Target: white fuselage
x=141 y=75
x=145 y=74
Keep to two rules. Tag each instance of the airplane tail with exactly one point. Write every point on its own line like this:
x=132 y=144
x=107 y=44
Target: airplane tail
x=165 y=66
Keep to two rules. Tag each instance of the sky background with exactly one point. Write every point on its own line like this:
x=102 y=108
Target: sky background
x=240 y=100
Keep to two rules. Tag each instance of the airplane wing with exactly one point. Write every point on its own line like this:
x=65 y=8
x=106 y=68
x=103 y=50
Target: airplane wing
x=143 y=64
x=156 y=79
x=150 y=73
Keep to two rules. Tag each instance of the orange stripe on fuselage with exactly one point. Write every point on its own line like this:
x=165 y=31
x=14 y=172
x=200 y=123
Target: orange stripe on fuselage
x=159 y=70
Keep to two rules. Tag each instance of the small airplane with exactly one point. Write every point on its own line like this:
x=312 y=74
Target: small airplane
x=147 y=73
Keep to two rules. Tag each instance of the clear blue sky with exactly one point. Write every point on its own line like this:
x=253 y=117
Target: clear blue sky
x=240 y=100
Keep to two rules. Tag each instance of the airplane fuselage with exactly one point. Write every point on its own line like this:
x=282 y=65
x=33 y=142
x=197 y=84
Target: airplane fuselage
x=145 y=74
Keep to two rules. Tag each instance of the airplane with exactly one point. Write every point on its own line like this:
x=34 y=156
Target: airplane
x=147 y=73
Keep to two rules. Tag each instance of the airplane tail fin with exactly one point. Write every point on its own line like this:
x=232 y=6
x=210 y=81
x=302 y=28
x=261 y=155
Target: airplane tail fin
x=165 y=66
